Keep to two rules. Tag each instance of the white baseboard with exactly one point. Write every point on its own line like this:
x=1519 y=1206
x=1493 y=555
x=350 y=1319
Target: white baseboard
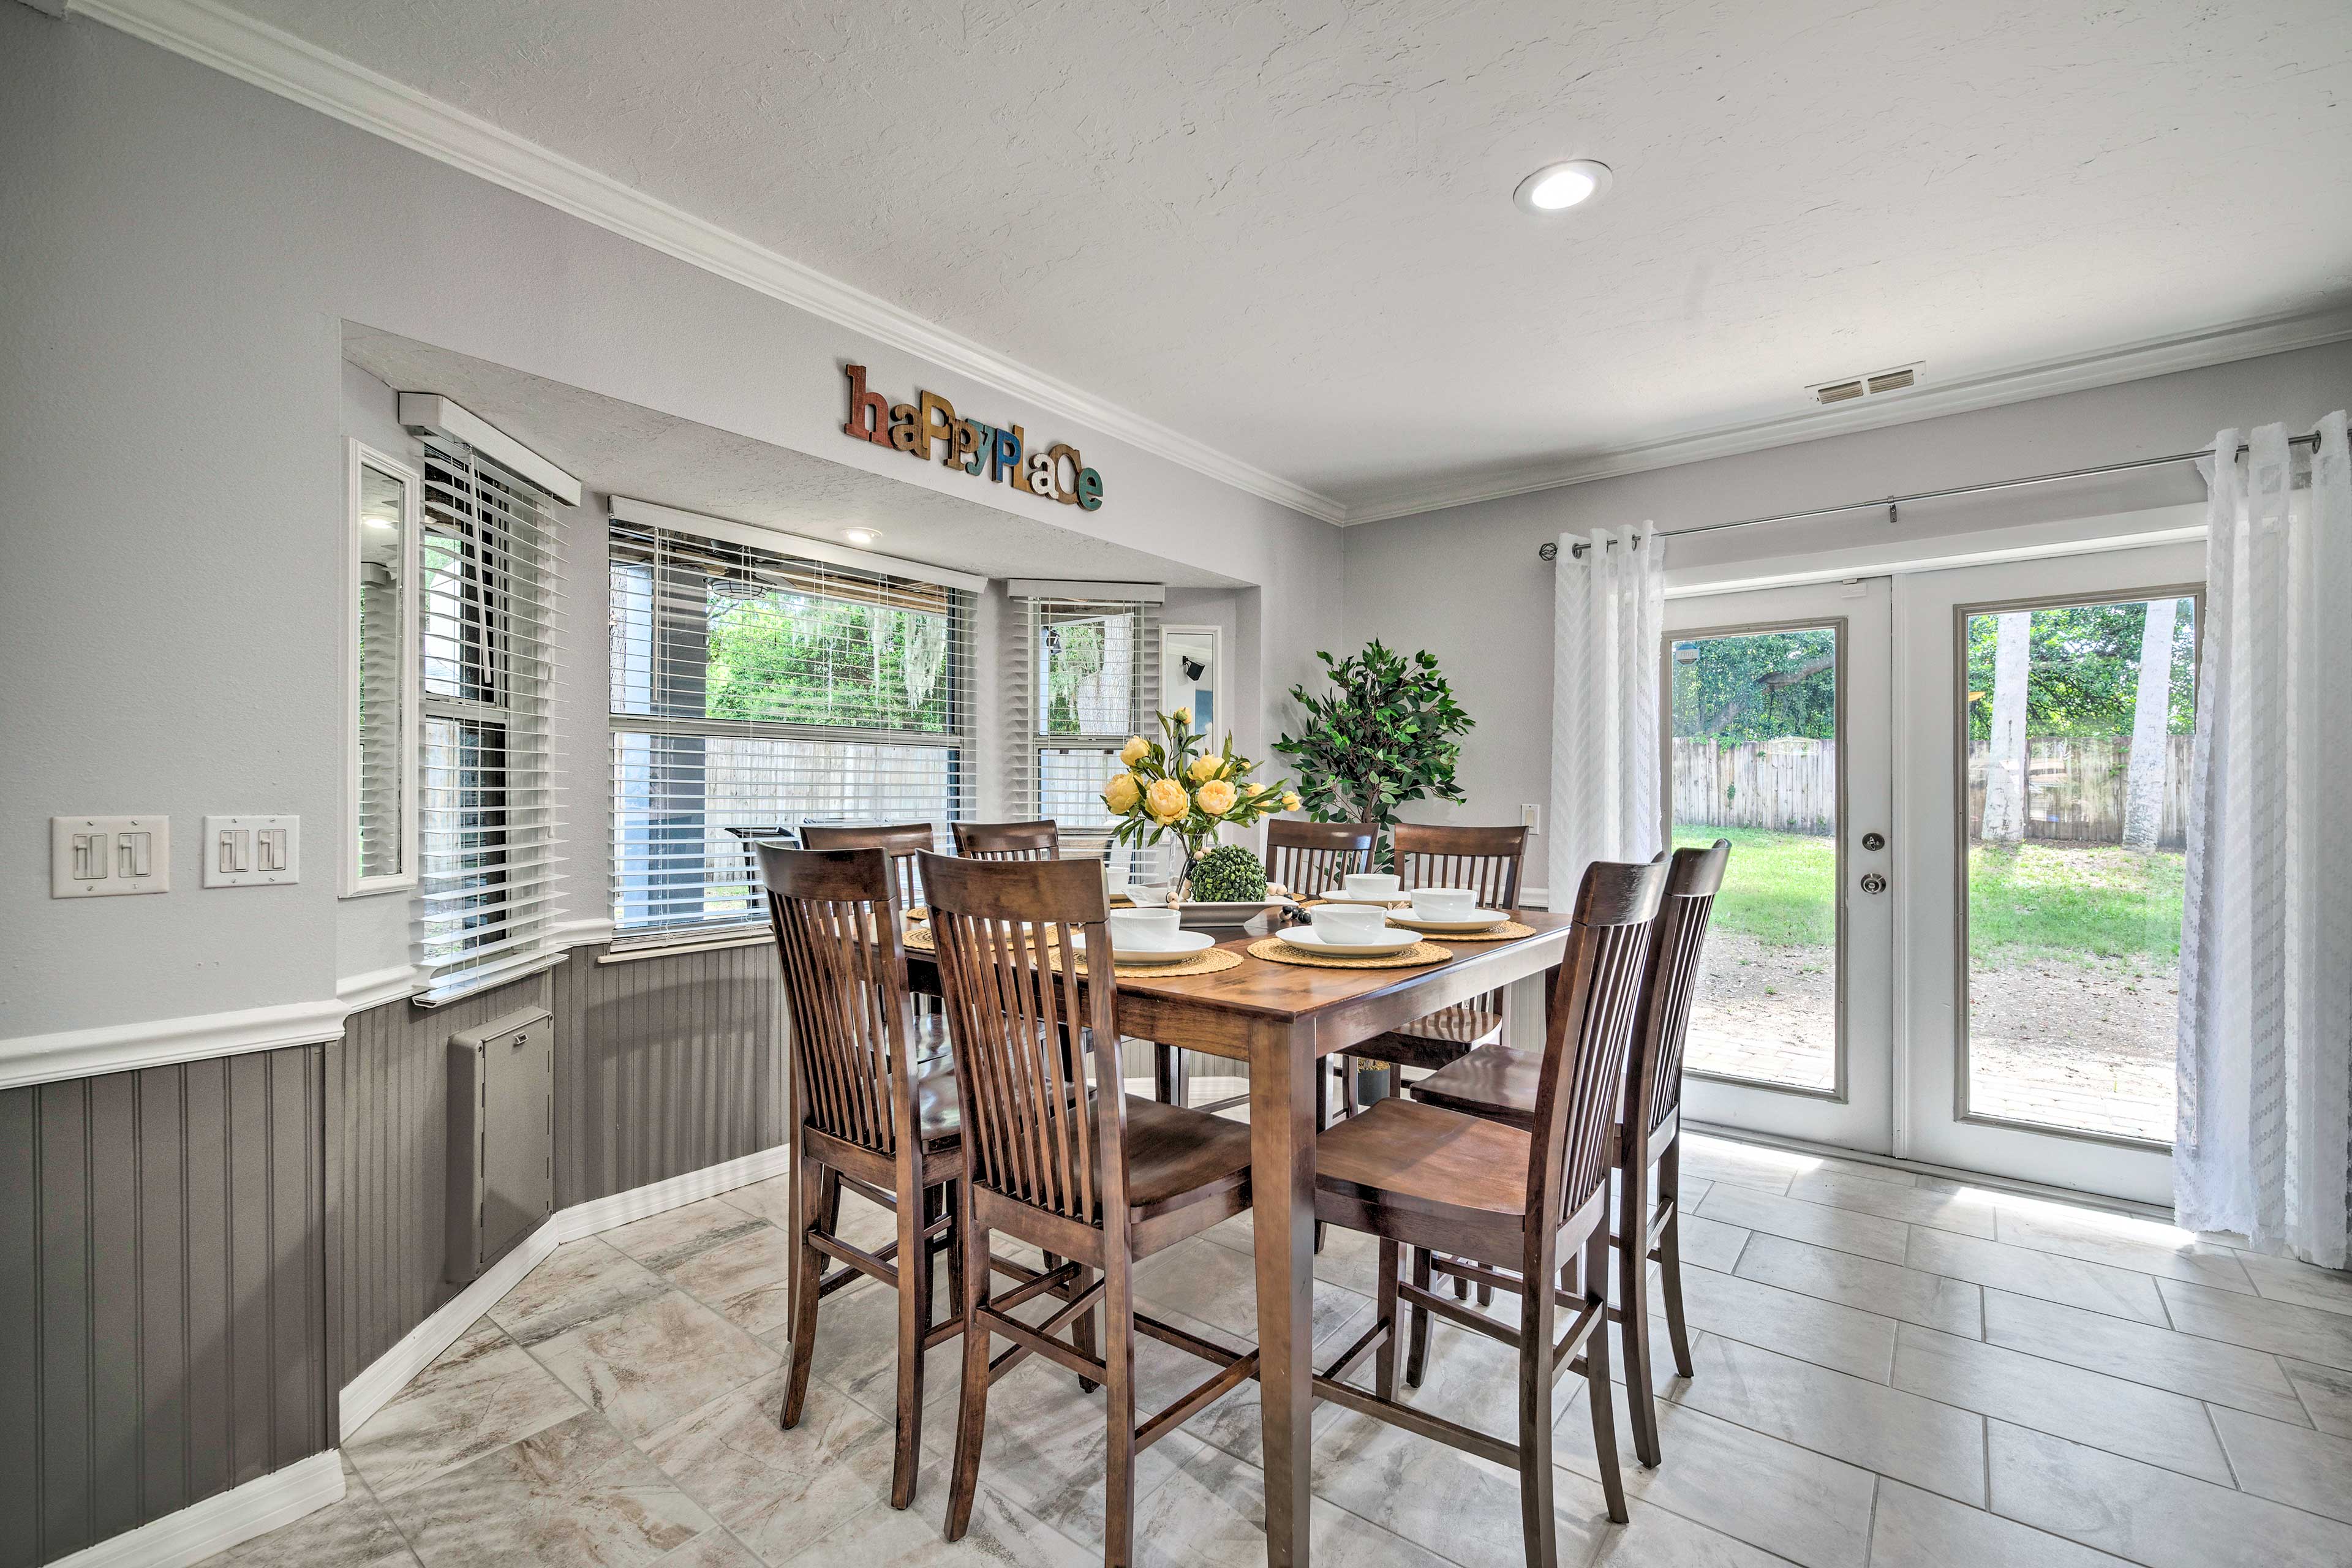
x=223 y=1521
x=390 y=1372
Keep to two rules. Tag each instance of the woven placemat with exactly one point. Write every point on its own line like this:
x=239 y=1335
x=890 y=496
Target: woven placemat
x=1503 y=933
x=1208 y=961
x=1273 y=950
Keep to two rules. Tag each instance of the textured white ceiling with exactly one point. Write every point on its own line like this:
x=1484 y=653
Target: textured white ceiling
x=1285 y=229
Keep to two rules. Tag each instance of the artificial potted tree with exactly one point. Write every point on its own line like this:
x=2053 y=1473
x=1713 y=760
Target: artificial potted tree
x=1381 y=736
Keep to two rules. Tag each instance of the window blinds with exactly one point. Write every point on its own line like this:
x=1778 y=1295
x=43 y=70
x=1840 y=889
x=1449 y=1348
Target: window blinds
x=487 y=827
x=1080 y=676
x=754 y=690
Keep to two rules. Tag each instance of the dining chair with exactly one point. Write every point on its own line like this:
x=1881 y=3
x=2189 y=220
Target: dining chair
x=1007 y=841
x=1310 y=858
x=1501 y=1084
x=1083 y=1170
x=901 y=841
x=874 y=1115
x=1496 y=1197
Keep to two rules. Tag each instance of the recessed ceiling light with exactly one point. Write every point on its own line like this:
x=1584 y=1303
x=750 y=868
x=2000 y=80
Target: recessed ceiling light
x=861 y=536
x=1556 y=187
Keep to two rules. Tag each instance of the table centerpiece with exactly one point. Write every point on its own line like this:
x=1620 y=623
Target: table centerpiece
x=1177 y=788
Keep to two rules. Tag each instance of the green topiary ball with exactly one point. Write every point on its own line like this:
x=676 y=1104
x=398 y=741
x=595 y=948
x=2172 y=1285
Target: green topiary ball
x=1228 y=874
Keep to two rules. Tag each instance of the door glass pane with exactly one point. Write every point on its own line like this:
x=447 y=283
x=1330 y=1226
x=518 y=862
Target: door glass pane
x=1755 y=761
x=2080 y=719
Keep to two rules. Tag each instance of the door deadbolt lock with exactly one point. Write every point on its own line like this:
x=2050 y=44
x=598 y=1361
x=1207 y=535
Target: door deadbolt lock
x=1873 y=841
x=1873 y=883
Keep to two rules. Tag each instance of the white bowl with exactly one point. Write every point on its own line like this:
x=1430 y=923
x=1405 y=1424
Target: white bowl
x=1371 y=885
x=1143 y=929
x=1444 y=903
x=1349 y=924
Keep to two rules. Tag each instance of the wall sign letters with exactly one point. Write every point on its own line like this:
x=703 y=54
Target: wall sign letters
x=930 y=426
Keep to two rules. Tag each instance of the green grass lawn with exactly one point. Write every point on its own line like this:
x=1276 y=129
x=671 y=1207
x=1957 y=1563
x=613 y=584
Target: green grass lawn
x=2037 y=901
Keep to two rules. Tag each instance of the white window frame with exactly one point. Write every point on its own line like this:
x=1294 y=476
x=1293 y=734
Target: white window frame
x=358 y=455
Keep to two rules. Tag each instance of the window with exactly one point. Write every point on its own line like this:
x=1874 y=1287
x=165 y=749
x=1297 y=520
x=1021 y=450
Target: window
x=487 y=829
x=379 y=673
x=754 y=690
x=1083 y=677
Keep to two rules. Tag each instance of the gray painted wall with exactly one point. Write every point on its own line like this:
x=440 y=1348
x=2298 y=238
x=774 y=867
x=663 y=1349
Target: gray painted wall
x=163 y=1320
x=1466 y=583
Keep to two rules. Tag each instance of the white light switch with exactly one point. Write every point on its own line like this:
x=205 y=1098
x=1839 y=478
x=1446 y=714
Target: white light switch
x=252 y=851
x=1531 y=818
x=109 y=857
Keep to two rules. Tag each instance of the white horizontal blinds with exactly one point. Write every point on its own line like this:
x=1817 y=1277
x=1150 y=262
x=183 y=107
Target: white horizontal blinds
x=755 y=690
x=1086 y=678
x=383 y=687
x=486 y=825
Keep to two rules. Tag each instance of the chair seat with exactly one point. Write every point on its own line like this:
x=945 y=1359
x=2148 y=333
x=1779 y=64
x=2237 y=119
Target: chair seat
x=1176 y=1155
x=1437 y=1162
x=1493 y=1080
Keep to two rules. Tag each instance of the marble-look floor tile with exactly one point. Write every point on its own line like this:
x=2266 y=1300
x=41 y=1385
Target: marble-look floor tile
x=2326 y=1395
x=2288 y=1464
x=1210 y=1513
x=2285 y=1279
x=747 y=1277
x=2070 y=1280
x=664 y=1240
x=2128 y=1418
x=1234 y=1423
x=1711 y=1244
x=579 y=1281
x=712 y=1549
x=1806 y=1327
x=1001 y=1534
x=857 y=1347
x=353 y=1533
x=2202 y=1369
x=648 y=1365
x=572 y=1495
x=778 y=1489
x=1749 y=1165
x=1897 y=1434
x=1910 y=1295
x=1919 y=1529
x=2307 y=1333
x=862 y=1223
x=1872 y=1236
x=1960 y=1212
x=480 y=1393
x=2150 y=1515
x=1219 y=1286
x=2148 y=1247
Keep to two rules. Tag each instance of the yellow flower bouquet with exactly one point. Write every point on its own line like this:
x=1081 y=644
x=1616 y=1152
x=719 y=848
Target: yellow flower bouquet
x=1177 y=786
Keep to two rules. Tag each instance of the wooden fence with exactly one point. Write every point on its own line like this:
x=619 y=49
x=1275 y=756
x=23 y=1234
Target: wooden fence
x=2074 y=787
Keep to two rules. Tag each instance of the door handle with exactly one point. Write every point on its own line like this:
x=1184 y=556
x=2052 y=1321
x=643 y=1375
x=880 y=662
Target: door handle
x=1871 y=882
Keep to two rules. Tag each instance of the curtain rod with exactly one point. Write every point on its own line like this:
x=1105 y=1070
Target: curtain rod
x=1895 y=504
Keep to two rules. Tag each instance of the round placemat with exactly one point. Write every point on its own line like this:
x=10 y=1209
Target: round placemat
x=1273 y=950
x=1208 y=961
x=1503 y=933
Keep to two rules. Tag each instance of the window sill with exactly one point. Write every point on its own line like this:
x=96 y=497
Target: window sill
x=753 y=937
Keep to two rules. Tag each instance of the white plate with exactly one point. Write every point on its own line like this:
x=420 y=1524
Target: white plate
x=1483 y=919
x=1188 y=942
x=1396 y=941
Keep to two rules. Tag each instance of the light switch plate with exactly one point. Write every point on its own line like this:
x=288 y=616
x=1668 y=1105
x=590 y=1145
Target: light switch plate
x=1531 y=818
x=252 y=851
x=109 y=856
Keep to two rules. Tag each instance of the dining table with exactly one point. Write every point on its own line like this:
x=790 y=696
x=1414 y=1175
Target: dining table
x=1282 y=1019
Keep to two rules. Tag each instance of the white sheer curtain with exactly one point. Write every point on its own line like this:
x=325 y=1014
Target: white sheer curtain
x=2264 y=1143
x=1608 y=611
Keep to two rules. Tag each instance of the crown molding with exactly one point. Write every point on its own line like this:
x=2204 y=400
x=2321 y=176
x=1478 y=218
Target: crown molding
x=273 y=59
x=2137 y=361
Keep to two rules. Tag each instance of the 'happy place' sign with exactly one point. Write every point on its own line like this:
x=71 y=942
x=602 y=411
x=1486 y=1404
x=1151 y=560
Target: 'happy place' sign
x=929 y=423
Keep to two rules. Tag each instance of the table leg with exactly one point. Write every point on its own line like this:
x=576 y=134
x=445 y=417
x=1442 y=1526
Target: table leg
x=1282 y=1165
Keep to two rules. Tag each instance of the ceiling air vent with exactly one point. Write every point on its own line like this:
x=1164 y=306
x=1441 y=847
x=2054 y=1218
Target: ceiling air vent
x=1847 y=388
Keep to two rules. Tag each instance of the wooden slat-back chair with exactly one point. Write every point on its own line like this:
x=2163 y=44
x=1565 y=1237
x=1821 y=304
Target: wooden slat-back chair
x=1085 y=1172
x=874 y=1115
x=1007 y=841
x=902 y=842
x=1498 y=1199
x=1310 y=858
x=1500 y=1084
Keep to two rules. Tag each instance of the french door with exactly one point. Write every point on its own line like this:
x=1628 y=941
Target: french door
x=1950 y=928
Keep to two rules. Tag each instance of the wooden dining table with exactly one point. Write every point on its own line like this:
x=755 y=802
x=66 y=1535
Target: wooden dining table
x=1282 y=1019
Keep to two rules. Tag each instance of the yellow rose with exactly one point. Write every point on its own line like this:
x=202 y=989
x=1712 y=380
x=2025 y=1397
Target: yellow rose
x=1203 y=769
x=1121 y=793
x=1166 y=800
x=1134 y=750
x=1217 y=797
x=1183 y=718
x=1256 y=788
x=1290 y=801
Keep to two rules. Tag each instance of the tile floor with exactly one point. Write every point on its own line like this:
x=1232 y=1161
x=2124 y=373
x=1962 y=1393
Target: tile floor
x=1893 y=1371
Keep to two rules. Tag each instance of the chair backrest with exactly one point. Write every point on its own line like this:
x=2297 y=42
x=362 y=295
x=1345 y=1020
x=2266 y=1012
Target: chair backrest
x=837 y=926
x=902 y=842
x=1486 y=860
x=1007 y=841
x=1677 y=940
x=1015 y=1007
x=1309 y=858
x=1589 y=1023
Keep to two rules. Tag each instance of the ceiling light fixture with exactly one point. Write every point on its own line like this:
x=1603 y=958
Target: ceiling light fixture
x=861 y=537
x=1556 y=187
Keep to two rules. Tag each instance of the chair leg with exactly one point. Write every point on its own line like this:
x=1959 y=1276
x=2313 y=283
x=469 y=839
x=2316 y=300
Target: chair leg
x=1596 y=1376
x=1118 y=1413
x=1082 y=1332
x=1347 y=1096
x=1670 y=1255
x=808 y=1267
x=914 y=1322
x=1384 y=1361
x=1634 y=1298
x=1322 y=1124
x=1416 y=1359
x=971 y=1402
x=1536 y=1519
x=952 y=1201
x=1167 y=1074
